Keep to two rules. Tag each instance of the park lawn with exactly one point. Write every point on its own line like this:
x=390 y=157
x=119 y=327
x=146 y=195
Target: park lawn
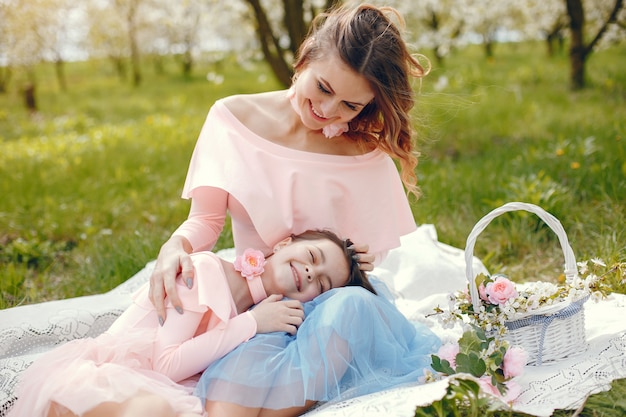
x=91 y=184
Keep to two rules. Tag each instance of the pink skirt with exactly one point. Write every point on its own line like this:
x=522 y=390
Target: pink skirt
x=84 y=373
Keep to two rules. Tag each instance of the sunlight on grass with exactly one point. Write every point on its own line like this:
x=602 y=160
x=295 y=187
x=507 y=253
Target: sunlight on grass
x=93 y=181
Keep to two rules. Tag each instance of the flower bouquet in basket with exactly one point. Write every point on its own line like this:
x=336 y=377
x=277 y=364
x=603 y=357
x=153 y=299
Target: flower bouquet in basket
x=511 y=325
x=492 y=363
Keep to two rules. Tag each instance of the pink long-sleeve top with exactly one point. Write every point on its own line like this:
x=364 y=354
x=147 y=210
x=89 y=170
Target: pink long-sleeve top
x=272 y=191
x=209 y=328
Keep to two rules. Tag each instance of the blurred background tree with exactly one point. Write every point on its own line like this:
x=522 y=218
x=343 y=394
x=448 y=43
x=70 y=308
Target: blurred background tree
x=130 y=33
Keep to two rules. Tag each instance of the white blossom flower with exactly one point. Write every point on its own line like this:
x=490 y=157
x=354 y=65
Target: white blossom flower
x=598 y=262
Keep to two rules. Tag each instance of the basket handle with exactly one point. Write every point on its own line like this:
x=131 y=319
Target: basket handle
x=570 y=261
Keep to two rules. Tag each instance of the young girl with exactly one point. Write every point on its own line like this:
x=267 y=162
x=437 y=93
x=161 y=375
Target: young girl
x=136 y=364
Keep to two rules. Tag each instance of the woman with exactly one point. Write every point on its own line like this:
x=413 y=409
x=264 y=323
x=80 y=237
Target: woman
x=136 y=359
x=317 y=154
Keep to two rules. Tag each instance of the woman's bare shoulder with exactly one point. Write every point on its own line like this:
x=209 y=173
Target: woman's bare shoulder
x=248 y=108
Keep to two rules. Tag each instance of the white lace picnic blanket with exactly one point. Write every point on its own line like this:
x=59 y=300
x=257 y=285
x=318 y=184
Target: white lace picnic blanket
x=421 y=272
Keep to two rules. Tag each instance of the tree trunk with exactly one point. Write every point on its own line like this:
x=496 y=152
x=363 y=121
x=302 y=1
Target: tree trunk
x=297 y=28
x=269 y=45
x=488 y=48
x=577 y=53
x=5 y=76
x=187 y=62
x=554 y=38
x=29 y=98
x=294 y=22
x=134 y=59
x=433 y=23
x=120 y=67
x=132 y=39
x=59 y=66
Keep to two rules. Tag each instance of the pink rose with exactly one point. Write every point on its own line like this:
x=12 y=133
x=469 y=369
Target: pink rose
x=481 y=292
x=335 y=129
x=513 y=390
x=500 y=290
x=448 y=352
x=514 y=361
x=487 y=387
x=251 y=263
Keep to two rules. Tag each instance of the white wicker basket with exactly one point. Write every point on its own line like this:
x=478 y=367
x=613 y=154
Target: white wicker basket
x=550 y=333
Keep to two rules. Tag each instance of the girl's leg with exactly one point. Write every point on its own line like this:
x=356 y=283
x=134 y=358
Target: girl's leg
x=217 y=408
x=287 y=412
x=141 y=405
x=144 y=405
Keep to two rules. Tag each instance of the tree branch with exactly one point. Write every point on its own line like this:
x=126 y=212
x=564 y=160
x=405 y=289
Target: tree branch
x=611 y=19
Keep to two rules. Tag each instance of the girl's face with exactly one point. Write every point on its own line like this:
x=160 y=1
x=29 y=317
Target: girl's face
x=303 y=269
x=328 y=91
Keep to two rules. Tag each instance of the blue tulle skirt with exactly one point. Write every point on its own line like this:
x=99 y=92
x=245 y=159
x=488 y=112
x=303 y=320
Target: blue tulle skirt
x=351 y=343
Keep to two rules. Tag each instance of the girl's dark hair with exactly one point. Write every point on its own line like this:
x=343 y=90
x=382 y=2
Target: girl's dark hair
x=366 y=39
x=356 y=277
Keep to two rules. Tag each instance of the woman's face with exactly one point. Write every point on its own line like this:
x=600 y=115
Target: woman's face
x=328 y=91
x=303 y=269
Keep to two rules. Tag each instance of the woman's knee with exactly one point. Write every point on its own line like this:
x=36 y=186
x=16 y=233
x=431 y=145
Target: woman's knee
x=347 y=301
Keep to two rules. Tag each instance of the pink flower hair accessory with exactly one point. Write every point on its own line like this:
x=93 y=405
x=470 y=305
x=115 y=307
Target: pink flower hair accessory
x=335 y=129
x=251 y=265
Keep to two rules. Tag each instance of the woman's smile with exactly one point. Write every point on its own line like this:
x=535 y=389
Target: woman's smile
x=316 y=114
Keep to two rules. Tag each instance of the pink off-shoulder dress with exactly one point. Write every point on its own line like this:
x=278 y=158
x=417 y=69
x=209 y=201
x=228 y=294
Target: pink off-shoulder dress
x=272 y=191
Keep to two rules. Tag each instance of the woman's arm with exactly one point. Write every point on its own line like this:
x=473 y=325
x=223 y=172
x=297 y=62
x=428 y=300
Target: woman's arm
x=199 y=232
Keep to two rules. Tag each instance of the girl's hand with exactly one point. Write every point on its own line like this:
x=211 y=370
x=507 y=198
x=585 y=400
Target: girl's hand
x=364 y=259
x=273 y=315
x=173 y=259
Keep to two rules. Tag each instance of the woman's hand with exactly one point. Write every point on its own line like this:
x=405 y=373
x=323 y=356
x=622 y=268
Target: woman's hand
x=273 y=315
x=173 y=259
x=363 y=258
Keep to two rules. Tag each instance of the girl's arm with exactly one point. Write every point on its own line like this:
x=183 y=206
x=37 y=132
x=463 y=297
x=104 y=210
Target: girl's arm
x=179 y=355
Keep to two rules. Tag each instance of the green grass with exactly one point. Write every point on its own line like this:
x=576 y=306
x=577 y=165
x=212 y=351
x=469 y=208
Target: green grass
x=91 y=184
x=510 y=129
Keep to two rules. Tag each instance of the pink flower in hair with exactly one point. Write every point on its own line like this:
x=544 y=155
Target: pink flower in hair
x=335 y=129
x=250 y=264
